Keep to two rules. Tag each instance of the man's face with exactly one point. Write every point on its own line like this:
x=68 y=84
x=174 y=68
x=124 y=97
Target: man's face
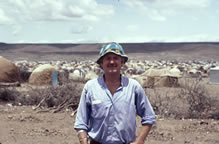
x=111 y=63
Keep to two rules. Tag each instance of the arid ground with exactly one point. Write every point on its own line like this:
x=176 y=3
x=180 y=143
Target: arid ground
x=24 y=125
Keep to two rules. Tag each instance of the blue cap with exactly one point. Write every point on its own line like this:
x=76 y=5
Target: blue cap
x=112 y=48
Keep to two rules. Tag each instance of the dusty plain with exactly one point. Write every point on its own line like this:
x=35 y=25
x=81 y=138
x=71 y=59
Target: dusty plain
x=23 y=125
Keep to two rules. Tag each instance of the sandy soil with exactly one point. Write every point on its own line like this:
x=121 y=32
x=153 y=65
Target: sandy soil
x=23 y=125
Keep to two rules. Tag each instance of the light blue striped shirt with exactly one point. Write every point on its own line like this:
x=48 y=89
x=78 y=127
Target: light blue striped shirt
x=112 y=119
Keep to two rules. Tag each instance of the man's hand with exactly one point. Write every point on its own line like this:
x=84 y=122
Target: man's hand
x=137 y=142
x=82 y=136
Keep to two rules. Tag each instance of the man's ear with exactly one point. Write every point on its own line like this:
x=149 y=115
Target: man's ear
x=123 y=61
x=100 y=64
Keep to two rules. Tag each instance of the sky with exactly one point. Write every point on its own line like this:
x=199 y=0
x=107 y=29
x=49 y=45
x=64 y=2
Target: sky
x=98 y=21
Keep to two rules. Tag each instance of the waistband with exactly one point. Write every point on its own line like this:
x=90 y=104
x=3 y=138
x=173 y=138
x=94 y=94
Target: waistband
x=95 y=142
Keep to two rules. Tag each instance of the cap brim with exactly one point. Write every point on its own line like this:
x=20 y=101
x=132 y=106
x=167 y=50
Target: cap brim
x=124 y=56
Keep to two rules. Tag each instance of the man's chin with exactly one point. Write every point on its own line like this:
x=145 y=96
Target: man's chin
x=113 y=71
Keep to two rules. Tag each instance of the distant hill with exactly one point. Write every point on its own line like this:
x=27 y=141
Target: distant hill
x=147 y=51
x=2 y=44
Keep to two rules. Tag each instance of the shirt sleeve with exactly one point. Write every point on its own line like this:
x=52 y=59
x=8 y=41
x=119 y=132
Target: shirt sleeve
x=82 y=116
x=143 y=106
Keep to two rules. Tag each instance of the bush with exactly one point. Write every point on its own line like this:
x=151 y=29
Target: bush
x=166 y=103
x=197 y=97
x=8 y=94
x=61 y=96
x=190 y=100
x=67 y=95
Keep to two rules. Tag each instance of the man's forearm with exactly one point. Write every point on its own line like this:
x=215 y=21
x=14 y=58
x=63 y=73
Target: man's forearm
x=143 y=133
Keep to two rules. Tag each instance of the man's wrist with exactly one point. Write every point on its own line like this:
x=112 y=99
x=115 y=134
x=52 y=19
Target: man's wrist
x=83 y=140
x=141 y=140
x=80 y=131
x=82 y=136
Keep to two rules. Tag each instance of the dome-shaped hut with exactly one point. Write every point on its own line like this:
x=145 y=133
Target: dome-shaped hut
x=9 y=72
x=42 y=75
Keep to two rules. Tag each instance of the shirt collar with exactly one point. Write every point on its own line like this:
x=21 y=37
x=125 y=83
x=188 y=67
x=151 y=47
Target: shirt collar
x=124 y=81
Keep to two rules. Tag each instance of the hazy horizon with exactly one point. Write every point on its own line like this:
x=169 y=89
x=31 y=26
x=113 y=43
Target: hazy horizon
x=195 y=42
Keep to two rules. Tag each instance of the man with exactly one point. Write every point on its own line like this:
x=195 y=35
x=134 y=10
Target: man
x=108 y=104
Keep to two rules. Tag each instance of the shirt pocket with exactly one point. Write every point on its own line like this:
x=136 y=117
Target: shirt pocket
x=98 y=110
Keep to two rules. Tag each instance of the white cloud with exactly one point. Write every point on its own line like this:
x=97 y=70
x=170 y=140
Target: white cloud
x=155 y=15
x=79 y=40
x=145 y=7
x=82 y=29
x=74 y=11
x=168 y=4
x=186 y=3
x=133 y=39
x=132 y=28
x=16 y=29
x=140 y=38
x=90 y=18
x=4 y=19
x=47 y=10
x=77 y=12
x=32 y=41
x=124 y=21
x=159 y=10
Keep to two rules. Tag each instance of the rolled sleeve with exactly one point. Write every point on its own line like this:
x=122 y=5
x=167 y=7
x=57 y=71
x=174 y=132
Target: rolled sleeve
x=82 y=117
x=143 y=107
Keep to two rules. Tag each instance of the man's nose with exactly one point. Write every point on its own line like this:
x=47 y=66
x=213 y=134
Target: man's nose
x=111 y=61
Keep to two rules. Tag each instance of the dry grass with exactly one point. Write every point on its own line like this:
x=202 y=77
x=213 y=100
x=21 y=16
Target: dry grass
x=59 y=97
x=190 y=100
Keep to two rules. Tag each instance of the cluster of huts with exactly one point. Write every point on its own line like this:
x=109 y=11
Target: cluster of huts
x=148 y=73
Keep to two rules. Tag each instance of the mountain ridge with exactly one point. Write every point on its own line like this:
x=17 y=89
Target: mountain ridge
x=89 y=51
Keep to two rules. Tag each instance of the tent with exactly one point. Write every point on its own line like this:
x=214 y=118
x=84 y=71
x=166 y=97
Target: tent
x=214 y=75
x=160 y=78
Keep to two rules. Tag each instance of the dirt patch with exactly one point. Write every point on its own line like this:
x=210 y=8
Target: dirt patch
x=23 y=125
